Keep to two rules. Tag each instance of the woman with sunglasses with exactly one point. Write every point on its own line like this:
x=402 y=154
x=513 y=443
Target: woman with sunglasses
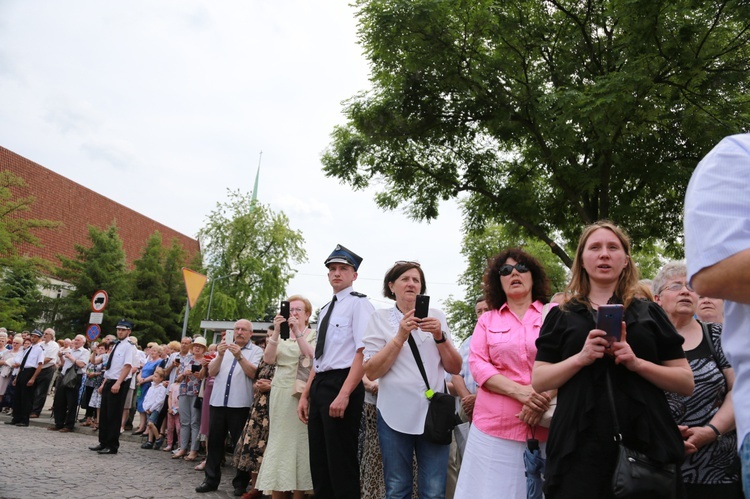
x=576 y=357
x=507 y=409
x=402 y=402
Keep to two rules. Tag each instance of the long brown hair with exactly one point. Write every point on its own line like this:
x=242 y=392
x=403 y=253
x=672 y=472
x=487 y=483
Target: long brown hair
x=579 y=287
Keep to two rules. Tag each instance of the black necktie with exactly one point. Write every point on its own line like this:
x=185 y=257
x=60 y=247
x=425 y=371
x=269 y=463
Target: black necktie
x=111 y=355
x=24 y=359
x=320 y=345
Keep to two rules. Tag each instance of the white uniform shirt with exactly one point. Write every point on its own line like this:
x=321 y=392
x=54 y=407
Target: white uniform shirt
x=346 y=328
x=717 y=226
x=35 y=358
x=401 y=392
x=237 y=391
x=124 y=353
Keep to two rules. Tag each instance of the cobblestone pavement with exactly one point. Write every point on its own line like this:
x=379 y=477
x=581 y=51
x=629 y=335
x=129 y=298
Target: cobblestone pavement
x=41 y=463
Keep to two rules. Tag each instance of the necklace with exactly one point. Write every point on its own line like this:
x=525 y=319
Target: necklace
x=301 y=334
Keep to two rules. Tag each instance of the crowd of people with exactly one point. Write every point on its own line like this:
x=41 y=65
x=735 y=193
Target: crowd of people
x=341 y=412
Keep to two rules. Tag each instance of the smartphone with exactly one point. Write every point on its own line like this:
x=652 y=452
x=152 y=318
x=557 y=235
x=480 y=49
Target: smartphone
x=229 y=337
x=284 y=326
x=195 y=368
x=609 y=320
x=177 y=360
x=422 y=307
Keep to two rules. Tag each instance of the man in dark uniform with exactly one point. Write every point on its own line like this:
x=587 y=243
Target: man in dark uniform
x=115 y=389
x=31 y=362
x=331 y=404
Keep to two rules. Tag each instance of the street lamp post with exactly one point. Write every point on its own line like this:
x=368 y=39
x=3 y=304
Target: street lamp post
x=211 y=296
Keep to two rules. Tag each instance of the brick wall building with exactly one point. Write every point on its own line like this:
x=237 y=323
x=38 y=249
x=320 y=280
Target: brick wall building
x=77 y=207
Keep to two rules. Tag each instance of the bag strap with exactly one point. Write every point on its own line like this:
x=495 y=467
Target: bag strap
x=615 y=421
x=712 y=348
x=415 y=351
x=418 y=358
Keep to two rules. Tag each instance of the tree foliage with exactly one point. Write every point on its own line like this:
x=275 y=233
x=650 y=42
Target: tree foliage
x=158 y=295
x=547 y=114
x=21 y=299
x=100 y=266
x=14 y=227
x=244 y=236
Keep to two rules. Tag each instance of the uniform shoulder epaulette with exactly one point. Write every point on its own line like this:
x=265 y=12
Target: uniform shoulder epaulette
x=360 y=295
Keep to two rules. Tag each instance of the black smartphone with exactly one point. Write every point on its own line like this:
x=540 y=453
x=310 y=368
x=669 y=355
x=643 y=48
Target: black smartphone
x=609 y=320
x=284 y=326
x=422 y=307
x=196 y=368
x=176 y=360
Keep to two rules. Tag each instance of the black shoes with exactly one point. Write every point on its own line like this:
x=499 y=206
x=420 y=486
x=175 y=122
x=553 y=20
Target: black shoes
x=238 y=491
x=107 y=450
x=22 y=424
x=11 y=422
x=206 y=487
x=159 y=442
x=97 y=447
x=147 y=445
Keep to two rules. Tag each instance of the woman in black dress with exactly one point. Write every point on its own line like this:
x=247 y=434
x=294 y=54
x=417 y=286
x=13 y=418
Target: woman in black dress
x=574 y=356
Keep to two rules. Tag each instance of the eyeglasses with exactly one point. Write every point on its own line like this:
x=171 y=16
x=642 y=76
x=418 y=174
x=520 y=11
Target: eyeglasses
x=677 y=286
x=296 y=310
x=507 y=269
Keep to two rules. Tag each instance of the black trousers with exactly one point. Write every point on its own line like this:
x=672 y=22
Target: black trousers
x=23 y=399
x=333 y=441
x=41 y=388
x=65 y=404
x=224 y=420
x=111 y=413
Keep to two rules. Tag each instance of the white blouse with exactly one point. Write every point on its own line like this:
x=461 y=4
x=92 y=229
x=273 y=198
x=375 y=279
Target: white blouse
x=401 y=392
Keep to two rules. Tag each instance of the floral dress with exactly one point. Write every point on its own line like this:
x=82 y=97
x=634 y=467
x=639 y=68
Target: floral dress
x=248 y=454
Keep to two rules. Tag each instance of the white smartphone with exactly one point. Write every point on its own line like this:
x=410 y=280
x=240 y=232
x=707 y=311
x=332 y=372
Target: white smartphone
x=229 y=337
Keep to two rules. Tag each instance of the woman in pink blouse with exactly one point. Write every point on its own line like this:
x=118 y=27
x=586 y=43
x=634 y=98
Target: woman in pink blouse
x=502 y=355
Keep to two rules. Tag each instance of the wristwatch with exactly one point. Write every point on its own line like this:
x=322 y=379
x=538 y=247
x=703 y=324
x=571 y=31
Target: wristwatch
x=442 y=339
x=716 y=430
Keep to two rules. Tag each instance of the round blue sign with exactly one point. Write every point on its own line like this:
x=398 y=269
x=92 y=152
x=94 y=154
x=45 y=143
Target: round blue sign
x=93 y=332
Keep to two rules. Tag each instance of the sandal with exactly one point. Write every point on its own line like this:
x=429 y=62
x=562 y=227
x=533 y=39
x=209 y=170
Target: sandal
x=179 y=455
x=201 y=466
x=94 y=427
x=191 y=457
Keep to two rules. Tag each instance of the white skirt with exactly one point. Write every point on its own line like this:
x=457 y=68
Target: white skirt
x=492 y=467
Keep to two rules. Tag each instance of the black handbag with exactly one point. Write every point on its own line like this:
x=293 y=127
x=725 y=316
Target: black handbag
x=70 y=378
x=635 y=473
x=441 y=414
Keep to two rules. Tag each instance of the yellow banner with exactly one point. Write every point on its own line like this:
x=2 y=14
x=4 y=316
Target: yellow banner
x=194 y=283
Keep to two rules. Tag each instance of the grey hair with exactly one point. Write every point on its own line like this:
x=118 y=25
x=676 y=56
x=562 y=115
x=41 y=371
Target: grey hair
x=51 y=331
x=669 y=271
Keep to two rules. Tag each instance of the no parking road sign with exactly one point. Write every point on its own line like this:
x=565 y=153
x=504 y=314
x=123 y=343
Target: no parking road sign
x=93 y=332
x=99 y=301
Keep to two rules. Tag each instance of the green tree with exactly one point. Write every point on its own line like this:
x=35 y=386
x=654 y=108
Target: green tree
x=479 y=247
x=150 y=298
x=174 y=260
x=15 y=228
x=548 y=114
x=242 y=235
x=21 y=298
x=100 y=266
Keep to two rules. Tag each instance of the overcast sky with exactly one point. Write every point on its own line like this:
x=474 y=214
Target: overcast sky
x=162 y=106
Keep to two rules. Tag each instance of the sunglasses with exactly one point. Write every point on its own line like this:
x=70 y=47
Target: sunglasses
x=507 y=269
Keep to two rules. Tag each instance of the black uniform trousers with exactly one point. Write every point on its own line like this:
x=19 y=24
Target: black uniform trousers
x=41 y=388
x=23 y=399
x=224 y=420
x=110 y=418
x=333 y=441
x=65 y=403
